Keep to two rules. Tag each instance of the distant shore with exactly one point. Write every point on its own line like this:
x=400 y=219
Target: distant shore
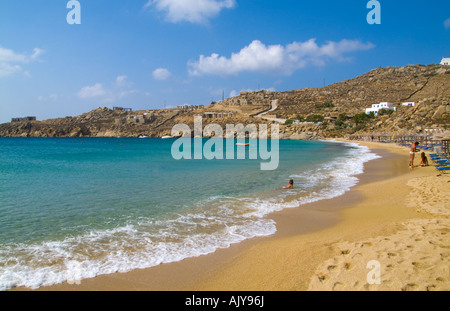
x=394 y=216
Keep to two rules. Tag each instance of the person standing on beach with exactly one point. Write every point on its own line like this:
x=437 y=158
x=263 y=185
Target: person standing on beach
x=412 y=153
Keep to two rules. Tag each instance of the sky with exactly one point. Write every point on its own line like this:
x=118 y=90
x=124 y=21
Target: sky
x=151 y=54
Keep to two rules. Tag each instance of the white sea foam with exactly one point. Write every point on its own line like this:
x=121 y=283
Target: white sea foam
x=152 y=242
x=330 y=180
x=123 y=249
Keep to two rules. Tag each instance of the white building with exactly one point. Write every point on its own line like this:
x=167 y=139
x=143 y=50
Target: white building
x=377 y=107
x=410 y=104
x=445 y=62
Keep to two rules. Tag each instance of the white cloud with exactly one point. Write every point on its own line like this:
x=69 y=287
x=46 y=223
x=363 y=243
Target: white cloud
x=234 y=93
x=36 y=53
x=161 y=74
x=96 y=90
x=9 y=56
x=276 y=59
x=193 y=11
x=12 y=62
x=51 y=97
x=121 y=81
x=8 y=69
x=447 y=23
x=118 y=90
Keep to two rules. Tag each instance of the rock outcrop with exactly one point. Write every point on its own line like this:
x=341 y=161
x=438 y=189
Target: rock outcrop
x=332 y=110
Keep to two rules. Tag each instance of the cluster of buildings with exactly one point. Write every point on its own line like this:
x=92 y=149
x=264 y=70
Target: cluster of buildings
x=377 y=107
x=389 y=106
x=260 y=98
x=218 y=115
x=23 y=119
x=138 y=119
x=122 y=109
x=190 y=107
x=144 y=118
x=386 y=106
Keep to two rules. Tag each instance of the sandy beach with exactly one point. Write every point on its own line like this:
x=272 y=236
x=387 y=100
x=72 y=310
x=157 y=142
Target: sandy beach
x=395 y=218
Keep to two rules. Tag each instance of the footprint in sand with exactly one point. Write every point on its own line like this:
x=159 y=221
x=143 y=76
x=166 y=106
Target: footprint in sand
x=331 y=268
x=410 y=287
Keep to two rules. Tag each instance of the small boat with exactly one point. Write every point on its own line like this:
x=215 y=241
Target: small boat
x=242 y=144
x=166 y=137
x=143 y=136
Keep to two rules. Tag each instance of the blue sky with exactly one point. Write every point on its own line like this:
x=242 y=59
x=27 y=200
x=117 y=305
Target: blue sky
x=149 y=54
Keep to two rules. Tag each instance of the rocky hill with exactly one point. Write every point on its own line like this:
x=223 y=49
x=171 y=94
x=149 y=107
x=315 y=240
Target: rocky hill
x=332 y=111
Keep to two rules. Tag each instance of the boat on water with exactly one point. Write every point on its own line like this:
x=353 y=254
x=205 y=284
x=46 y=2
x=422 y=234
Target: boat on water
x=243 y=144
x=143 y=136
x=166 y=137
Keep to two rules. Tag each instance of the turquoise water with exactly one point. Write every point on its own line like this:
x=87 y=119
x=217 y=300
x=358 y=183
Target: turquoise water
x=77 y=208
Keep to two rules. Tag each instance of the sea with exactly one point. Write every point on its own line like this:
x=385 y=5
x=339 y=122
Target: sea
x=76 y=208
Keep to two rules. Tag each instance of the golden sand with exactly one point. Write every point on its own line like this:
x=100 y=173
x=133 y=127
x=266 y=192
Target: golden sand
x=402 y=223
x=414 y=254
x=395 y=218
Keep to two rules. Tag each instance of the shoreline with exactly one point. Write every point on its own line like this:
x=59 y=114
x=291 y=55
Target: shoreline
x=306 y=238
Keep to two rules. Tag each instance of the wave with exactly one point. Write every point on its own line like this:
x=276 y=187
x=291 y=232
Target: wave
x=329 y=180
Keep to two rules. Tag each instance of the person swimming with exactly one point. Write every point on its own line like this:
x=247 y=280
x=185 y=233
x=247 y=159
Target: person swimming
x=290 y=185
